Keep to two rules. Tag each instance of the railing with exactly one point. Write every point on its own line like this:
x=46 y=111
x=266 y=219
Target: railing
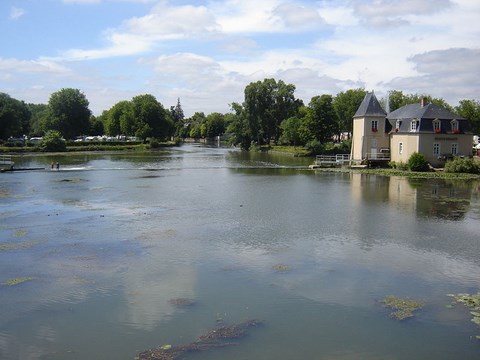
x=6 y=160
x=377 y=156
x=338 y=159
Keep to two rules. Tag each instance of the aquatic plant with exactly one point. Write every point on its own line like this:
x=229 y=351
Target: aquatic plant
x=404 y=308
x=216 y=338
x=281 y=268
x=182 y=302
x=20 y=232
x=17 y=246
x=16 y=281
x=473 y=303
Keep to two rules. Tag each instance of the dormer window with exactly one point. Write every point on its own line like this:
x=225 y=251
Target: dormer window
x=397 y=125
x=437 y=126
x=455 y=128
x=374 y=125
x=414 y=125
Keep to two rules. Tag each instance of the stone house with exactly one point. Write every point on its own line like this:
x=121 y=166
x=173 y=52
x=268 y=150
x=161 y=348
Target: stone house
x=428 y=129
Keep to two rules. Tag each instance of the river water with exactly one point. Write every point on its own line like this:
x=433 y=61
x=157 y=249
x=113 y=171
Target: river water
x=94 y=256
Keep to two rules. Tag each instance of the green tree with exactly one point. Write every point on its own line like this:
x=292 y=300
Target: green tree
x=291 y=131
x=14 y=117
x=346 y=104
x=267 y=103
x=38 y=119
x=214 y=125
x=151 y=119
x=119 y=120
x=470 y=110
x=239 y=127
x=321 y=119
x=52 y=141
x=68 y=113
x=397 y=99
x=96 y=126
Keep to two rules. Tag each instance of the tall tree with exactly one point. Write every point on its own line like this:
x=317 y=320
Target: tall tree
x=14 y=117
x=267 y=103
x=214 y=125
x=68 y=113
x=151 y=119
x=321 y=119
x=119 y=119
x=38 y=119
x=346 y=104
x=470 y=109
x=397 y=99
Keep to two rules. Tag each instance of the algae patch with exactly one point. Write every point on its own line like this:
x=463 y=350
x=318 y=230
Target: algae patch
x=281 y=268
x=404 y=308
x=16 y=281
x=473 y=303
x=18 y=246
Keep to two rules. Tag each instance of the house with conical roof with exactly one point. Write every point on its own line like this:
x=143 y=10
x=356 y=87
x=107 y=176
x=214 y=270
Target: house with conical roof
x=425 y=128
x=370 y=136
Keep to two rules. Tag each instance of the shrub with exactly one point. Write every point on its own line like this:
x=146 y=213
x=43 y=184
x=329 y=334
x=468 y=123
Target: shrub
x=153 y=143
x=314 y=147
x=417 y=162
x=462 y=165
x=398 y=165
x=52 y=141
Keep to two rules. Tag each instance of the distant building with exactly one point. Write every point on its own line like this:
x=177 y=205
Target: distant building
x=425 y=128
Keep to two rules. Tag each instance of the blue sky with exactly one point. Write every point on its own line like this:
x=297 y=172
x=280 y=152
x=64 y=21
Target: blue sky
x=206 y=52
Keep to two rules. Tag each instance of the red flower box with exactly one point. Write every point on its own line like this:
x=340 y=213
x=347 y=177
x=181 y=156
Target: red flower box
x=438 y=131
x=456 y=131
x=374 y=129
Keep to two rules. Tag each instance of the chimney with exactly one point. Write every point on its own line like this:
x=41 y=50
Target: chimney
x=423 y=101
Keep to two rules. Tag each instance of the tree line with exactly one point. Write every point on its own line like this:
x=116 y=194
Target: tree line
x=270 y=113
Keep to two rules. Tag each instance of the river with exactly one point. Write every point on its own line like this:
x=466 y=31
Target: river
x=117 y=253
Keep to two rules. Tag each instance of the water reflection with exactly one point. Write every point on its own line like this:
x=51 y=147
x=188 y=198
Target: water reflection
x=432 y=198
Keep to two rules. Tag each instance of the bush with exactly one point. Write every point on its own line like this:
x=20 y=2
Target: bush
x=398 y=165
x=417 y=162
x=462 y=165
x=314 y=147
x=52 y=141
x=153 y=143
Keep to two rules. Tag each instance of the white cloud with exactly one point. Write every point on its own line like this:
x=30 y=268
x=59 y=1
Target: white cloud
x=16 y=13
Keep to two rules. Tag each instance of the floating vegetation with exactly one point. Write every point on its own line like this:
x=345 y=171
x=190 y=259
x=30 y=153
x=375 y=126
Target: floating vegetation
x=213 y=339
x=473 y=303
x=72 y=180
x=404 y=308
x=182 y=302
x=17 y=246
x=16 y=281
x=20 y=232
x=281 y=268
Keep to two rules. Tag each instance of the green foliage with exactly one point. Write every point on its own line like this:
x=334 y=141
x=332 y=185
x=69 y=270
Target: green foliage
x=397 y=99
x=267 y=103
x=462 y=165
x=14 y=117
x=291 y=131
x=153 y=143
x=417 y=162
x=470 y=110
x=68 y=113
x=398 y=165
x=213 y=125
x=314 y=147
x=404 y=308
x=53 y=142
x=151 y=119
x=346 y=104
x=321 y=119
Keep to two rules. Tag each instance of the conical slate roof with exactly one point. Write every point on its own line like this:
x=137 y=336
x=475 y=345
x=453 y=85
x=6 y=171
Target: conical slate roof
x=370 y=107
